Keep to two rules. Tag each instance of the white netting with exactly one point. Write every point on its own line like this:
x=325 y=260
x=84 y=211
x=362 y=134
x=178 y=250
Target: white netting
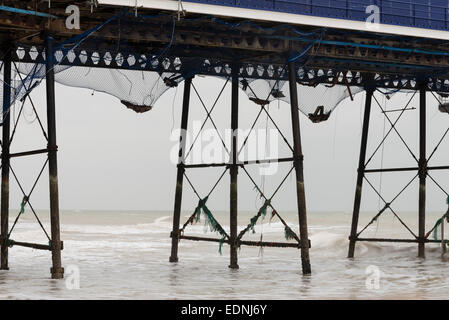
x=323 y=99
x=316 y=102
x=263 y=91
x=139 y=90
x=27 y=76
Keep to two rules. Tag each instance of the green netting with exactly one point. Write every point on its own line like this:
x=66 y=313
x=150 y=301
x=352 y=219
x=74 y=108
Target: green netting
x=210 y=222
x=436 y=229
x=23 y=204
x=290 y=234
x=261 y=213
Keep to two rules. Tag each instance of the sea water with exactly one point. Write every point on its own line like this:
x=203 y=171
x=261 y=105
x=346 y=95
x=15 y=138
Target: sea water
x=124 y=255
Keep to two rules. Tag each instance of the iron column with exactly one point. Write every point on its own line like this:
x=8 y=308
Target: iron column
x=57 y=272
x=5 y=159
x=422 y=169
x=299 y=168
x=234 y=167
x=361 y=170
x=181 y=169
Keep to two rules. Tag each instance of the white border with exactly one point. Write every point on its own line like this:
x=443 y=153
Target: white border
x=263 y=15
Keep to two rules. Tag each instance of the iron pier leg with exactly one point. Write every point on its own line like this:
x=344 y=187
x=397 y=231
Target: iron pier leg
x=57 y=272
x=180 y=174
x=234 y=167
x=5 y=159
x=422 y=169
x=361 y=172
x=299 y=168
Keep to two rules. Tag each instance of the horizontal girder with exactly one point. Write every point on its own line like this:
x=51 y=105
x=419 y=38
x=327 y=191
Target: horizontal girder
x=157 y=41
x=331 y=73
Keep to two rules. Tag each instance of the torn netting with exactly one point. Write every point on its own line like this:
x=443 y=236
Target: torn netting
x=313 y=101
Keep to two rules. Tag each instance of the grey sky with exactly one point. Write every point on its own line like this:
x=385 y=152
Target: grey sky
x=113 y=159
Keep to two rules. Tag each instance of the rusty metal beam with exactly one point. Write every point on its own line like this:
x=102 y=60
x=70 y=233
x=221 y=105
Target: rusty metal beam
x=57 y=272
x=234 y=167
x=299 y=170
x=361 y=169
x=246 y=243
x=5 y=159
x=181 y=170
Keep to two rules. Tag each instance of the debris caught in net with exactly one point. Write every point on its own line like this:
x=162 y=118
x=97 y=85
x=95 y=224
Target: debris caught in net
x=316 y=102
x=139 y=90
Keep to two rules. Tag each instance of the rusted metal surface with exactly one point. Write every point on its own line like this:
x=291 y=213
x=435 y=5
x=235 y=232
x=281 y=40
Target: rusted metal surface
x=358 y=58
x=5 y=160
x=234 y=167
x=181 y=169
x=197 y=37
x=299 y=169
x=235 y=240
x=246 y=243
x=422 y=168
x=28 y=153
x=361 y=170
x=37 y=246
x=57 y=272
